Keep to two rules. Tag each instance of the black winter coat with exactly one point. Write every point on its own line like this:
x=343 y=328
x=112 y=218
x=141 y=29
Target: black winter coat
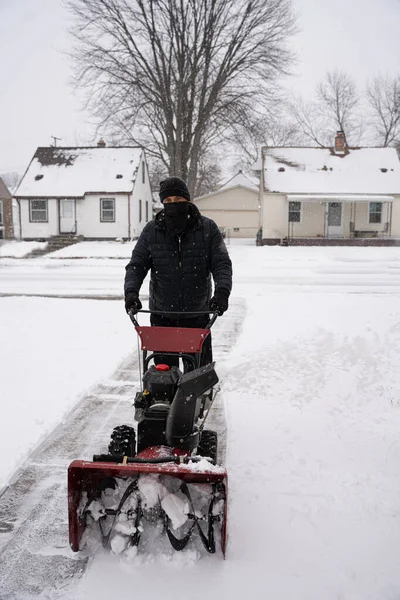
x=181 y=266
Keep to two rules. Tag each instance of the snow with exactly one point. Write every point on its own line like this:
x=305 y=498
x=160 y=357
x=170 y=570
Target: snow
x=79 y=170
x=14 y=249
x=52 y=351
x=95 y=250
x=312 y=392
x=318 y=170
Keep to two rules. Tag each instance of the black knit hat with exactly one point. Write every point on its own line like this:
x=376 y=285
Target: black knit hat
x=173 y=186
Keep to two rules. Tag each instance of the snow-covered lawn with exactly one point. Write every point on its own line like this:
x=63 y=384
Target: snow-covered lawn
x=51 y=352
x=14 y=249
x=312 y=393
x=95 y=250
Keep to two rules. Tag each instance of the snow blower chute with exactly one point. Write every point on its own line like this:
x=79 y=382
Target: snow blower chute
x=164 y=477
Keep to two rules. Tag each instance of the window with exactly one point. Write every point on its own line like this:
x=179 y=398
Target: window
x=140 y=211
x=143 y=172
x=294 y=212
x=38 y=211
x=375 y=212
x=147 y=211
x=107 y=210
x=67 y=209
x=1 y=213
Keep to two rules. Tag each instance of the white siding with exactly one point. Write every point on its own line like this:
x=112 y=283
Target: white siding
x=39 y=230
x=396 y=217
x=361 y=221
x=88 y=217
x=313 y=218
x=141 y=191
x=275 y=216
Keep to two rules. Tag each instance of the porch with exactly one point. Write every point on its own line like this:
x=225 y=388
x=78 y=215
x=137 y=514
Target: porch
x=339 y=217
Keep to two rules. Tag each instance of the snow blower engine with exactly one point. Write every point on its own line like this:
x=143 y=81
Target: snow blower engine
x=165 y=472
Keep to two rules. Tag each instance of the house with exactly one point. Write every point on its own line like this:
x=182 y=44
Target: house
x=97 y=193
x=234 y=206
x=330 y=196
x=6 y=215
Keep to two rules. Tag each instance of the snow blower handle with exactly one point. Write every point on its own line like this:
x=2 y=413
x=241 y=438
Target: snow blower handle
x=211 y=322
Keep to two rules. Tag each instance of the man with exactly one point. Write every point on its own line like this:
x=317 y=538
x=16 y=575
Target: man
x=182 y=249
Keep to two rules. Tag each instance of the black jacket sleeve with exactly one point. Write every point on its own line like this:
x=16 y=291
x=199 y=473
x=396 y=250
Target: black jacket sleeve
x=140 y=263
x=221 y=265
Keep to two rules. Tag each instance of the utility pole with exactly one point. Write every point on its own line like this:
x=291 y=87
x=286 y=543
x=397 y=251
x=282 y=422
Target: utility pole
x=55 y=140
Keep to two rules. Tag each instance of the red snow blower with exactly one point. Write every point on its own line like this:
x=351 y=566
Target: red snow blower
x=162 y=479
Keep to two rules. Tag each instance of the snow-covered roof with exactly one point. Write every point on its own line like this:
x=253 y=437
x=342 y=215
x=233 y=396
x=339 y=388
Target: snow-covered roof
x=320 y=170
x=72 y=172
x=242 y=179
x=4 y=193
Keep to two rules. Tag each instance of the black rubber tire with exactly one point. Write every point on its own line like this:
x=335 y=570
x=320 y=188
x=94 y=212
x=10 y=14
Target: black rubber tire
x=123 y=441
x=208 y=445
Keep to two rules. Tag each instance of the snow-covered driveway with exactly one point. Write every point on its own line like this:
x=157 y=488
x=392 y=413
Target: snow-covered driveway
x=312 y=392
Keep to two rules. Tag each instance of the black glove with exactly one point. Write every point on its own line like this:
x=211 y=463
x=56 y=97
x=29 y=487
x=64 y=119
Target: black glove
x=219 y=302
x=132 y=302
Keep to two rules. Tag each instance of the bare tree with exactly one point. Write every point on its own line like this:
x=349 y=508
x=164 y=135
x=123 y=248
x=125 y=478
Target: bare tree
x=274 y=128
x=209 y=175
x=11 y=180
x=383 y=95
x=340 y=102
x=336 y=107
x=172 y=75
x=311 y=122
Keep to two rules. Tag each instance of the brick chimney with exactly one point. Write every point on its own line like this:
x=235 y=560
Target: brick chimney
x=101 y=143
x=340 y=143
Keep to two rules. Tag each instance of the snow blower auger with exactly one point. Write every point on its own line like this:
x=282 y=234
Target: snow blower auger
x=164 y=480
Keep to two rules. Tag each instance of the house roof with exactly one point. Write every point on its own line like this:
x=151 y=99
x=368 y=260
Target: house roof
x=321 y=171
x=4 y=193
x=242 y=179
x=74 y=171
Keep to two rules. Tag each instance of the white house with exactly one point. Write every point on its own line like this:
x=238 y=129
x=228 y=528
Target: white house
x=94 y=192
x=335 y=195
x=234 y=206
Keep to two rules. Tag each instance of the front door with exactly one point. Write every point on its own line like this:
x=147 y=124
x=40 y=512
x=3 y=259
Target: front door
x=335 y=227
x=67 y=216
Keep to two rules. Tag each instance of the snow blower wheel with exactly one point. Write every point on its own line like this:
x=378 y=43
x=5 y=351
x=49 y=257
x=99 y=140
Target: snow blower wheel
x=208 y=446
x=123 y=441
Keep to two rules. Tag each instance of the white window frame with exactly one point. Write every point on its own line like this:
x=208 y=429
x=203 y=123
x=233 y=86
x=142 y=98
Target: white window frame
x=300 y=211
x=370 y=213
x=107 y=210
x=40 y=210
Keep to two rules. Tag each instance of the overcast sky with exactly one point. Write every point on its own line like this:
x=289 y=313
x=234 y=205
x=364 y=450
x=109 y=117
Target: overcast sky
x=36 y=100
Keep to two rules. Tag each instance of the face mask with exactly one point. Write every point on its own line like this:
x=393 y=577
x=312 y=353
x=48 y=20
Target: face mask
x=176 y=215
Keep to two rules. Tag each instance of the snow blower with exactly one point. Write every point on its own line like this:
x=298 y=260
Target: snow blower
x=163 y=479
